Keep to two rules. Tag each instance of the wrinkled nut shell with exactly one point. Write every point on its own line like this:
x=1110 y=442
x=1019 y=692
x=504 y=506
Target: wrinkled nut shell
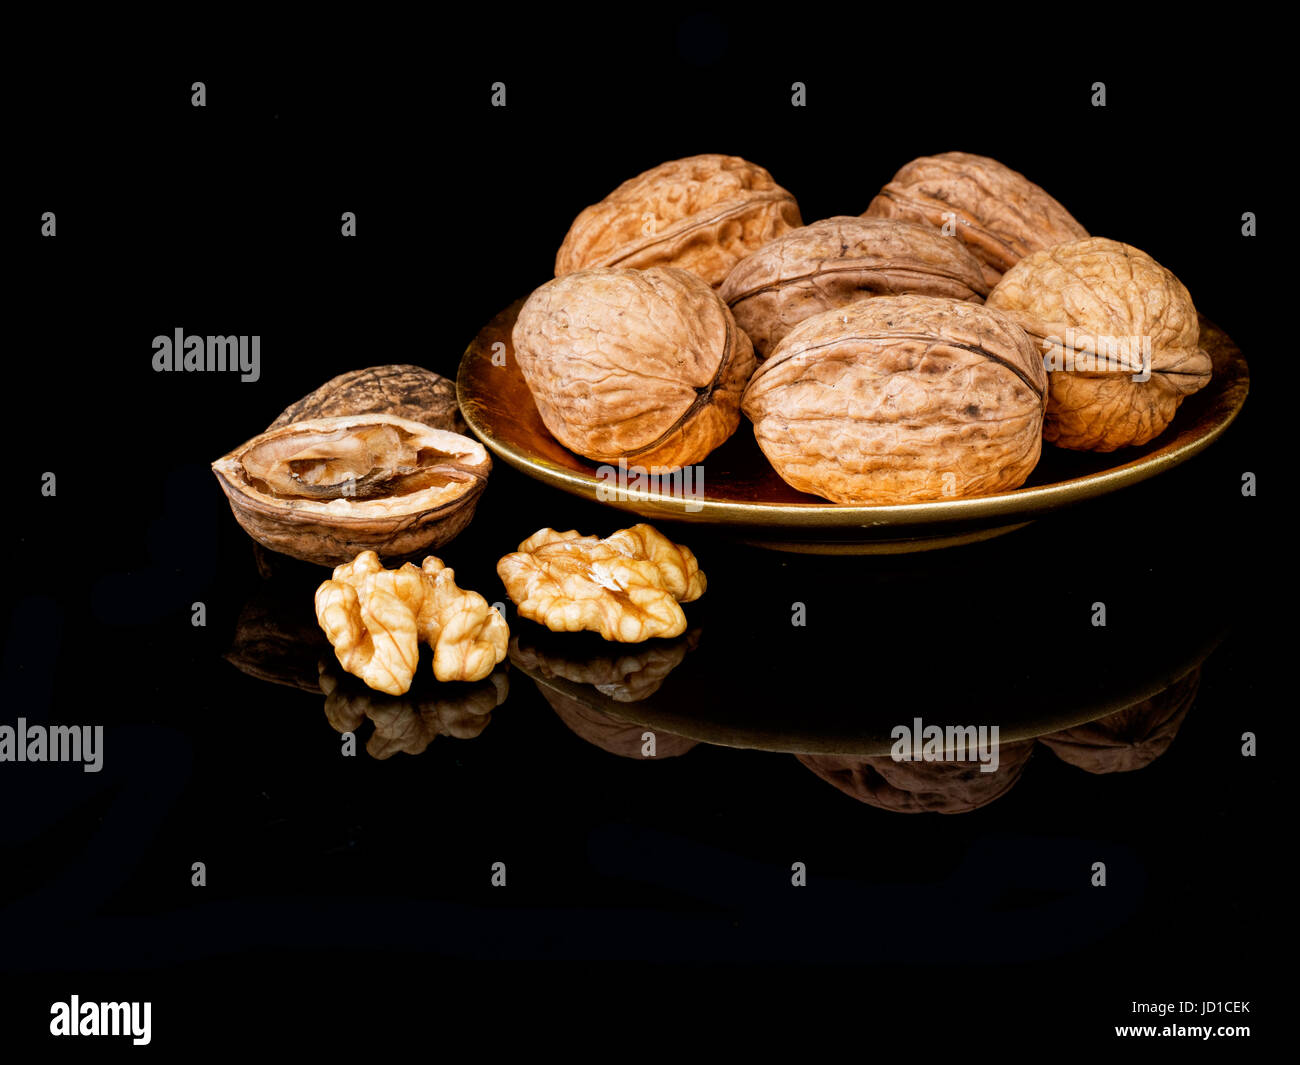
x=1000 y=214
x=626 y=587
x=921 y=787
x=402 y=390
x=901 y=399
x=646 y=365
x=840 y=260
x=324 y=489
x=1098 y=297
x=1130 y=739
x=703 y=214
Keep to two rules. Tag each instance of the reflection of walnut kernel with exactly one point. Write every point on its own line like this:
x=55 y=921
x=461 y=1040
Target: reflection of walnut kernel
x=376 y=618
x=626 y=587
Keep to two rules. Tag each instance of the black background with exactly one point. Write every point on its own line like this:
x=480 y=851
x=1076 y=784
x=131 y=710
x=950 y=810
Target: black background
x=348 y=899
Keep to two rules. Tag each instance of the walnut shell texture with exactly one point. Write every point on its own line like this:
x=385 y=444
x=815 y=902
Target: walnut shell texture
x=1133 y=737
x=404 y=390
x=703 y=214
x=901 y=399
x=325 y=489
x=646 y=365
x=1000 y=214
x=1093 y=304
x=921 y=787
x=839 y=260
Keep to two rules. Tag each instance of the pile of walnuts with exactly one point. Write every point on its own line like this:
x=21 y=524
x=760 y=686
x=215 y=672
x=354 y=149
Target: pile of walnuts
x=923 y=350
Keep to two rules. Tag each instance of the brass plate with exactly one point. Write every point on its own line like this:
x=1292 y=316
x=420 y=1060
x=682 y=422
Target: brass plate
x=743 y=494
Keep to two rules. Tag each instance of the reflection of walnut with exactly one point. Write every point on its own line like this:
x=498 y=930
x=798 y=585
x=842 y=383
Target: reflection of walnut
x=921 y=787
x=626 y=587
x=625 y=677
x=375 y=618
x=410 y=724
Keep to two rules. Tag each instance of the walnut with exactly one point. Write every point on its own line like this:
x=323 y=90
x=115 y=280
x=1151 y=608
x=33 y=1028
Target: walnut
x=403 y=390
x=703 y=214
x=646 y=365
x=1120 y=338
x=406 y=723
x=900 y=399
x=612 y=734
x=1000 y=214
x=375 y=618
x=627 y=677
x=839 y=260
x=921 y=787
x=626 y=587
x=325 y=488
x=1130 y=738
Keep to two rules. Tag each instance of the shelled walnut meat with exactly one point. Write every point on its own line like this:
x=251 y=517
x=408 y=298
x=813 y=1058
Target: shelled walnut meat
x=376 y=619
x=999 y=213
x=627 y=587
x=901 y=399
x=324 y=489
x=1120 y=337
x=646 y=365
x=839 y=260
x=702 y=214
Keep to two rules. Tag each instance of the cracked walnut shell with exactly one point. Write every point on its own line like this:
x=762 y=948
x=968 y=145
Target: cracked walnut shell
x=627 y=587
x=1120 y=337
x=375 y=619
x=840 y=260
x=403 y=390
x=901 y=399
x=999 y=213
x=703 y=214
x=646 y=365
x=323 y=489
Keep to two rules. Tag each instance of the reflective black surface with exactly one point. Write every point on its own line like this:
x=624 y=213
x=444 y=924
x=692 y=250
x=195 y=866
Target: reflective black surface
x=349 y=899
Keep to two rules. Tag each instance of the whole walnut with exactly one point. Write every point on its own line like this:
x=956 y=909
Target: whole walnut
x=1119 y=336
x=646 y=365
x=703 y=214
x=839 y=260
x=901 y=399
x=999 y=213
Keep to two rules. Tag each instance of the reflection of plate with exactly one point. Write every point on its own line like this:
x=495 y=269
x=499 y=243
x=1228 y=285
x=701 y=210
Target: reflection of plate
x=742 y=492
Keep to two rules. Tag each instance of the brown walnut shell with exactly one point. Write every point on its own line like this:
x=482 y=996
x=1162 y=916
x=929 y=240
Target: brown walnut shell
x=901 y=399
x=1131 y=738
x=839 y=260
x=404 y=390
x=703 y=214
x=1107 y=314
x=921 y=787
x=325 y=489
x=646 y=365
x=999 y=213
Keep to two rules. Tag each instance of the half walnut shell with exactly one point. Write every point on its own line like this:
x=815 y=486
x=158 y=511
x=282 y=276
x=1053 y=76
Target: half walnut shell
x=646 y=365
x=325 y=489
x=839 y=260
x=901 y=399
x=402 y=389
x=703 y=214
x=1119 y=335
x=999 y=213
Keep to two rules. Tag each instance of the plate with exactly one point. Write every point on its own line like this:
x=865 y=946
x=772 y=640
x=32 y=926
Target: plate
x=737 y=491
